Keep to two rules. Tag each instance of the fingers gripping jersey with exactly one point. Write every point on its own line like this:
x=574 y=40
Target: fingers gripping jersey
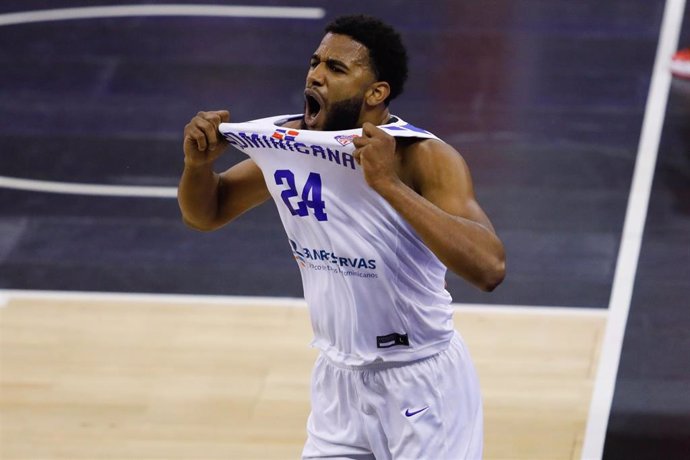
x=375 y=291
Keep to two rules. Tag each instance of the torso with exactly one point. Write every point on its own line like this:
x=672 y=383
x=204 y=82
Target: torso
x=365 y=271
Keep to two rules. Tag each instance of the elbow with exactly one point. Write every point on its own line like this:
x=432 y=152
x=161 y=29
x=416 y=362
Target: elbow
x=487 y=276
x=486 y=273
x=494 y=274
x=198 y=226
x=493 y=279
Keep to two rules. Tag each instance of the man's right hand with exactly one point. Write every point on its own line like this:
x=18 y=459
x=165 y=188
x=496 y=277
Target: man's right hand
x=202 y=141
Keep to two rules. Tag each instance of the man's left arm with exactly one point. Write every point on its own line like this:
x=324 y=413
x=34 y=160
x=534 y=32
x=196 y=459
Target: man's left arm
x=441 y=208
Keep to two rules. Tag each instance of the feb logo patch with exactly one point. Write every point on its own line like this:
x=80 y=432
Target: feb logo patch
x=346 y=139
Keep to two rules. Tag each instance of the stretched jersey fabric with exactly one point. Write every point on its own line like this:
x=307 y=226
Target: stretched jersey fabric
x=375 y=292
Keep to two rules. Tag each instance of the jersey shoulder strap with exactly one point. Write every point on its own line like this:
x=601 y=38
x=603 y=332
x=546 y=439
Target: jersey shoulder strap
x=400 y=128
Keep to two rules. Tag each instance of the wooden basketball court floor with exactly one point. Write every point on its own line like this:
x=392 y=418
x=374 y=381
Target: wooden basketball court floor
x=123 y=376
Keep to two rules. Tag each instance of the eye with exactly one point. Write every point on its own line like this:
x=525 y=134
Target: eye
x=335 y=67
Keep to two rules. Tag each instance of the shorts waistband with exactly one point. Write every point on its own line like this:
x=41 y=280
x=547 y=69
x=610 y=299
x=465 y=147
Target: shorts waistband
x=380 y=365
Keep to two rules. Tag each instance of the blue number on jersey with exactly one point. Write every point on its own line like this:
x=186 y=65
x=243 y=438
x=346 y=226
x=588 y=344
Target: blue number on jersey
x=311 y=194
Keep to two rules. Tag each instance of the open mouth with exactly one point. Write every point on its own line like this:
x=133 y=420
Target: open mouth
x=313 y=102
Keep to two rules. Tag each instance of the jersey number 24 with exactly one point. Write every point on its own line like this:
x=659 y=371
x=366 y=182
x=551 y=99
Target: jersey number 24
x=311 y=194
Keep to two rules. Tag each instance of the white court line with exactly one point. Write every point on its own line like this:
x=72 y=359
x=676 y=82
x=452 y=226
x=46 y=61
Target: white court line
x=257 y=301
x=87 y=189
x=61 y=14
x=633 y=229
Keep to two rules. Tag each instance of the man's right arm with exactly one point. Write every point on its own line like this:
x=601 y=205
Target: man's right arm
x=209 y=200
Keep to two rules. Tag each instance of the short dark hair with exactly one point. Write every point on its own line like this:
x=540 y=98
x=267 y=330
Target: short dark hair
x=386 y=50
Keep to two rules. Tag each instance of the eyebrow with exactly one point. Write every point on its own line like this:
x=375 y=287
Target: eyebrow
x=330 y=61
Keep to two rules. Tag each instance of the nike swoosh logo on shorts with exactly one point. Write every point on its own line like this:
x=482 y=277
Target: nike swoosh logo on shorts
x=410 y=414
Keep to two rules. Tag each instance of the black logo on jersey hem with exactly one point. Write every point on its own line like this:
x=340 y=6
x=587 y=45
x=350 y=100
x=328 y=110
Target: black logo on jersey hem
x=391 y=340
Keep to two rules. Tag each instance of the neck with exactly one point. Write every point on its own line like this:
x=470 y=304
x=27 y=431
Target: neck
x=377 y=117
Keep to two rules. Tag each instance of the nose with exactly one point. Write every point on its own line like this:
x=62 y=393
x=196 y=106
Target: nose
x=316 y=75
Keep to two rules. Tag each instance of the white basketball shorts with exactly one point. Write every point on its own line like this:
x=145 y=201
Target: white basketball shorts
x=427 y=409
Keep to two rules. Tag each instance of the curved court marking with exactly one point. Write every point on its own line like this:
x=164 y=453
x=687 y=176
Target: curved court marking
x=72 y=188
x=234 y=11
x=63 y=14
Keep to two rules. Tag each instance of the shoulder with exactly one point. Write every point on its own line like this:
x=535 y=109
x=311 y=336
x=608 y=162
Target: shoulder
x=431 y=162
x=429 y=153
x=420 y=148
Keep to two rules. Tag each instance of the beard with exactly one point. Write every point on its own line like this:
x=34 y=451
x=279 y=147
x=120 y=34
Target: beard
x=342 y=115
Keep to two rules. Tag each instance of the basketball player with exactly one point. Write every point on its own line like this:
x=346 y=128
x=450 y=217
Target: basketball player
x=375 y=209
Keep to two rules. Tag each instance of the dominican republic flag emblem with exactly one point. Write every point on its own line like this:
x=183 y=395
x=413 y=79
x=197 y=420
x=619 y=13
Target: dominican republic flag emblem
x=285 y=134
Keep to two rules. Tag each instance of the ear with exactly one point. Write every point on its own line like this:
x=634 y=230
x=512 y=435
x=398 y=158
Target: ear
x=377 y=93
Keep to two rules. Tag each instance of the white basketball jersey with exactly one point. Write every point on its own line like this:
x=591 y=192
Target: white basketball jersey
x=375 y=291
